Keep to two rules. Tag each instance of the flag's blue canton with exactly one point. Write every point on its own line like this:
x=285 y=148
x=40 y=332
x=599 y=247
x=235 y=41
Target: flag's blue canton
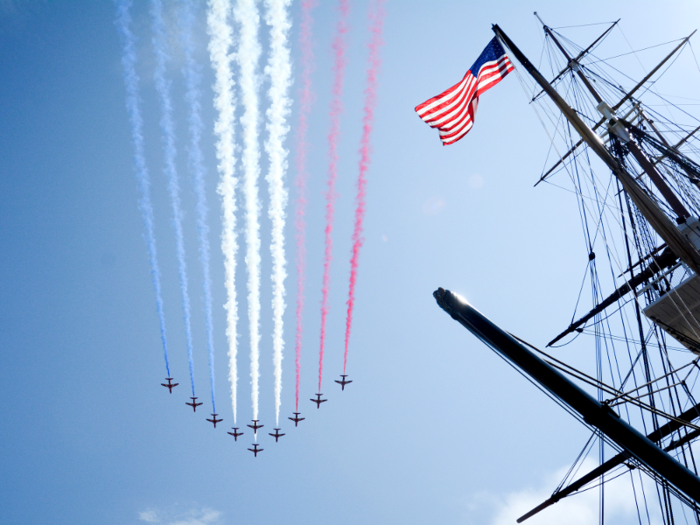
x=493 y=51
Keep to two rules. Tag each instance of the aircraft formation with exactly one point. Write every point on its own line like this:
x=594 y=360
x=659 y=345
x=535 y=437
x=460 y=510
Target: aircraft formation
x=256 y=425
x=238 y=79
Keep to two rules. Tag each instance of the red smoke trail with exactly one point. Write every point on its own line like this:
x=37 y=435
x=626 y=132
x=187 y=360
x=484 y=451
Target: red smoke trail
x=376 y=17
x=307 y=63
x=339 y=45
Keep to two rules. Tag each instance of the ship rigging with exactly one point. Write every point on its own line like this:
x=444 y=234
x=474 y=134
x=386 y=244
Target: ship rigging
x=636 y=174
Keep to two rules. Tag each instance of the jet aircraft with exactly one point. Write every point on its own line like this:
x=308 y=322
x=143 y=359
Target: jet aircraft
x=277 y=434
x=343 y=381
x=255 y=426
x=319 y=400
x=170 y=384
x=214 y=420
x=236 y=433
x=194 y=403
x=296 y=418
x=255 y=449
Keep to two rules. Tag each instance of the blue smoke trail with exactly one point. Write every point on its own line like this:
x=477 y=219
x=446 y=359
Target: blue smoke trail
x=168 y=128
x=131 y=80
x=193 y=80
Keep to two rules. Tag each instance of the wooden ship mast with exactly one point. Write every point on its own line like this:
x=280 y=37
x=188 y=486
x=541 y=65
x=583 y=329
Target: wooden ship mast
x=640 y=158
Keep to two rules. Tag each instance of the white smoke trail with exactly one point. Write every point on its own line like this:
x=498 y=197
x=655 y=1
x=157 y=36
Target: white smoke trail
x=221 y=41
x=246 y=14
x=133 y=106
x=279 y=70
x=168 y=129
x=193 y=97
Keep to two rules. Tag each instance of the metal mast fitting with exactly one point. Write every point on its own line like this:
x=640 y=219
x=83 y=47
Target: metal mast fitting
x=592 y=411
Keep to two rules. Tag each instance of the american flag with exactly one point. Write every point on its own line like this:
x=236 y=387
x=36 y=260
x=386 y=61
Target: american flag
x=452 y=112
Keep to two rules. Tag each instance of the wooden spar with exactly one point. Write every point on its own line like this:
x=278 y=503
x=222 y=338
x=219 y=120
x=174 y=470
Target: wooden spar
x=684 y=167
x=640 y=261
x=572 y=63
x=565 y=156
x=589 y=409
x=691 y=168
x=673 y=148
x=579 y=56
x=675 y=240
x=658 y=180
x=665 y=260
x=666 y=430
x=682 y=141
x=637 y=153
x=615 y=107
x=651 y=73
x=575 y=147
x=643 y=114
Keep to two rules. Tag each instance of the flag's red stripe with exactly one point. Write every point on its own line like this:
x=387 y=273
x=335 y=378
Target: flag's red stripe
x=456 y=138
x=452 y=133
x=441 y=111
x=456 y=124
x=455 y=109
x=449 y=121
x=467 y=119
x=448 y=92
x=452 y=112
x=459 y=116
x=486 y=69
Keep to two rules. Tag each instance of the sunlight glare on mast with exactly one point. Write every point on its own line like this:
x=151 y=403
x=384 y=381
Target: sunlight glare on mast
x=460 y=298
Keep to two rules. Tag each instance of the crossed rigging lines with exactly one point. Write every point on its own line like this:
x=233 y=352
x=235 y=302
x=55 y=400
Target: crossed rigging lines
x=662 y=392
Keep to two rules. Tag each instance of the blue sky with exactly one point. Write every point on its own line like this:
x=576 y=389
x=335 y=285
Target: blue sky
x=434 y=428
